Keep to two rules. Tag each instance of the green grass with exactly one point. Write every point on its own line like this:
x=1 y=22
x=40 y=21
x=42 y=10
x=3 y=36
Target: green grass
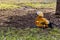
x=8 y=6
x=41 y=5
x=34 y=5
x=12 y=33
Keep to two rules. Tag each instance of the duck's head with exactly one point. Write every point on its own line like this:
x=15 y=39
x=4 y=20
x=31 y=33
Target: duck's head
x=40 y=13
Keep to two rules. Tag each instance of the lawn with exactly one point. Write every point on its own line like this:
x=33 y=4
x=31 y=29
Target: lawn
x=41 y=5
x=33 y=5
x=12 y=33
x=8 y=6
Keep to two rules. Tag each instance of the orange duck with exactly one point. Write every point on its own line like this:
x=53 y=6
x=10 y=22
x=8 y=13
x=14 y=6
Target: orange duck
x=42 y=22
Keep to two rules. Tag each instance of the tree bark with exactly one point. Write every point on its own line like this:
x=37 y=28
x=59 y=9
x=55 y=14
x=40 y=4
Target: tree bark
x=58 y=7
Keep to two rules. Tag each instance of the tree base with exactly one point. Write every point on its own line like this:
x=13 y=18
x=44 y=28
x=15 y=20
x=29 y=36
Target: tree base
x=57 y=15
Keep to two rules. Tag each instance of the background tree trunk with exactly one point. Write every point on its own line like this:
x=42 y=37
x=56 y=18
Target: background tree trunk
x=58 y=7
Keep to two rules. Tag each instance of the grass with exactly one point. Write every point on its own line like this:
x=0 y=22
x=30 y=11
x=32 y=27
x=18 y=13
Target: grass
x=12 y=33
x=8 y=6
x=33 y=5
x=41 y=5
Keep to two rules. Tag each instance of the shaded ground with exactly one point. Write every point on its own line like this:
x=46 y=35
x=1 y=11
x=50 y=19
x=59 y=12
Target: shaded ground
x=25 y=17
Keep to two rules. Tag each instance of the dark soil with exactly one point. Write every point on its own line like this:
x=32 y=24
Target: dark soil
x=24 y=18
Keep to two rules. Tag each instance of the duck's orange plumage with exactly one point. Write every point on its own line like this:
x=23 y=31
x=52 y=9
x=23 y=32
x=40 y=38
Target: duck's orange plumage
x=40 y=21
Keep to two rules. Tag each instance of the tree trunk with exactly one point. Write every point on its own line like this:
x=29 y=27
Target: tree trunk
x=58 y=7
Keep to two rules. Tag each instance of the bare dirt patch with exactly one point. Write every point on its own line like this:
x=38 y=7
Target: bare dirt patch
x=25 y=17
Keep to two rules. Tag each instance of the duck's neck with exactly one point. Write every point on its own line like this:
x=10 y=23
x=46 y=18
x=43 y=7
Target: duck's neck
x=40 y=16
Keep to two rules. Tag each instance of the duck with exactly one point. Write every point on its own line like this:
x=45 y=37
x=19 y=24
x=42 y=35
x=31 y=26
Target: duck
x=41 y=21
